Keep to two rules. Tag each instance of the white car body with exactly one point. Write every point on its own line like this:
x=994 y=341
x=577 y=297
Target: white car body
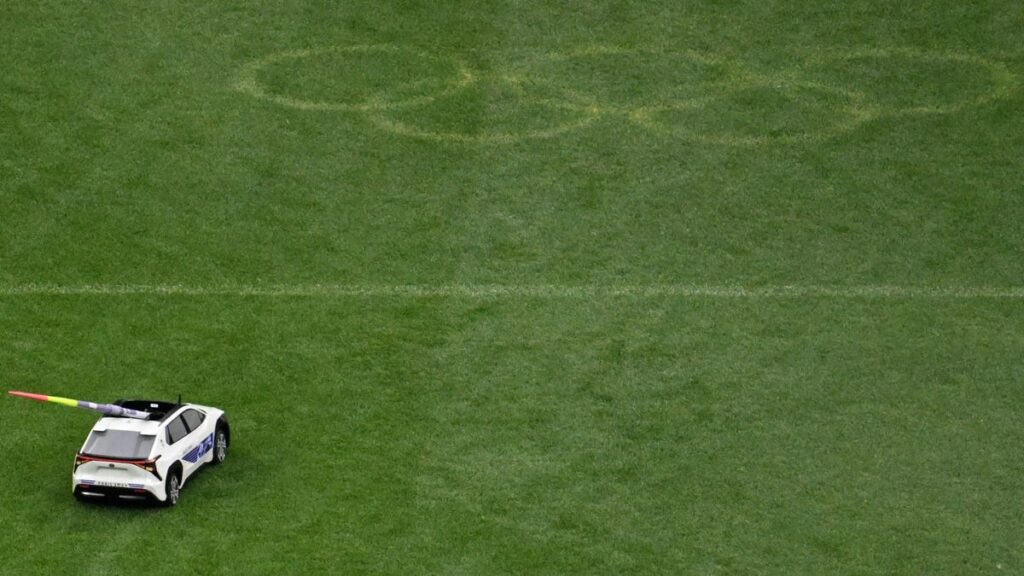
x=134 y=459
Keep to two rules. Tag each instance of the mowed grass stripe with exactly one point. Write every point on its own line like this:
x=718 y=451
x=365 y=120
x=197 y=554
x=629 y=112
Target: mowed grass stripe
x=519 y=290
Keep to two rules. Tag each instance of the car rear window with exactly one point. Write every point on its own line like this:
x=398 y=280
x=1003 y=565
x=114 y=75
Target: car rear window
x=123 y=444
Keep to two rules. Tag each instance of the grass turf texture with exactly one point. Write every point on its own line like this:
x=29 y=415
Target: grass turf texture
x=521 y=434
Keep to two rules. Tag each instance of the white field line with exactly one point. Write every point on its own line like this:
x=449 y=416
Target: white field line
x=517 y=290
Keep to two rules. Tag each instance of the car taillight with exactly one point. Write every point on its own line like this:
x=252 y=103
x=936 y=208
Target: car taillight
x=79 y=460
x=149 y=466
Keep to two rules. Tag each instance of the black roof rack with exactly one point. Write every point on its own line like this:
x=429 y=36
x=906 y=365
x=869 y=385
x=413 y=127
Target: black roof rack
x=160 y=409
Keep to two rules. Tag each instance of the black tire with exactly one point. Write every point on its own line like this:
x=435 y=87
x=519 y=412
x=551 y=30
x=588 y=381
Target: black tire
x=220 y=445
x=173 y=487
x=79 y=496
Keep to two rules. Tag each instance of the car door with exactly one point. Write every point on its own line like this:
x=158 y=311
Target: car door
x=198 y=442
x=177 y=442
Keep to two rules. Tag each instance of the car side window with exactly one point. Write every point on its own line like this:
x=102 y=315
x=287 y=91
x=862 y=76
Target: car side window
x=176 y=430
x=192 y=419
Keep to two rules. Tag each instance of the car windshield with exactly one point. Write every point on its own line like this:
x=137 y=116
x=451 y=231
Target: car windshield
x=123 y=444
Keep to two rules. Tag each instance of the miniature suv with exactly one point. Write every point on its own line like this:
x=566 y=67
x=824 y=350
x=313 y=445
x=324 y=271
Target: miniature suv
x=128 y=458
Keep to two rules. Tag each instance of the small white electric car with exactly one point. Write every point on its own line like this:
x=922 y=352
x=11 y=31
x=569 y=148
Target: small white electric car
x=133 y=459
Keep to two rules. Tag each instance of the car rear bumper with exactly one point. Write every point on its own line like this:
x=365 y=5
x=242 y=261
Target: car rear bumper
x=101 y=493
x=92 y=488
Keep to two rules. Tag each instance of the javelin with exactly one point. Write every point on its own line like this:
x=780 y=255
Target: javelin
x=106 y=409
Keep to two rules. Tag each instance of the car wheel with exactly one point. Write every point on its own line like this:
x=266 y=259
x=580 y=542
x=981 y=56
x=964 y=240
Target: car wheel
x=220 y=446
x=173 y=489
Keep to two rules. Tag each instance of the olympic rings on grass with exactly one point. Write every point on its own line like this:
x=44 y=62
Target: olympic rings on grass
x=248 y=81
x=853 y=113
x=507 y=84
x=703 y=80
x=1001 y=81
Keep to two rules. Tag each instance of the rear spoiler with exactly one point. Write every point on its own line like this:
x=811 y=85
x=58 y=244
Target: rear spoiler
x=102 y=427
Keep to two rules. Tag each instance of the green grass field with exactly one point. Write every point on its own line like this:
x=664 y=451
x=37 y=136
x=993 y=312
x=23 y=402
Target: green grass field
x=524 y=287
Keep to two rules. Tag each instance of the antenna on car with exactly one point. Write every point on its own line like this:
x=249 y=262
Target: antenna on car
x=179 y=399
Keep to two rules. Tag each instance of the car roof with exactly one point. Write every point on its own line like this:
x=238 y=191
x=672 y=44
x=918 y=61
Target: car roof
x=144 y=426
